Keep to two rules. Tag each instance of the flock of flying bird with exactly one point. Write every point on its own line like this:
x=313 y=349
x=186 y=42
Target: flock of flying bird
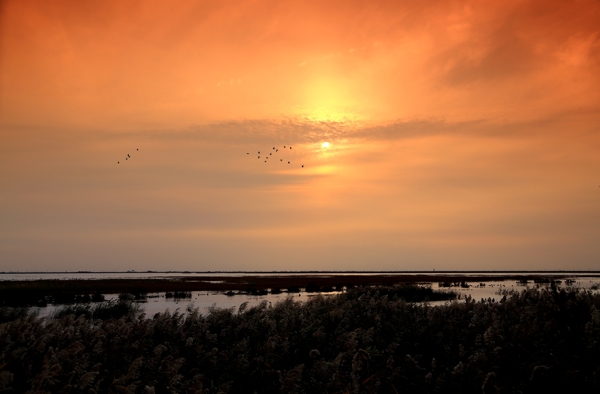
x=276 y=149
x=266 y=157
x=128 y=156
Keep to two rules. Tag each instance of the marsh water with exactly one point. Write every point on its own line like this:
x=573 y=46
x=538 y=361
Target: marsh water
x=205 y=300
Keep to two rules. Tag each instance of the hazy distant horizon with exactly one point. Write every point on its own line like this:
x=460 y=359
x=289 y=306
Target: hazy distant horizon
x=457 y=136
x=301 y=272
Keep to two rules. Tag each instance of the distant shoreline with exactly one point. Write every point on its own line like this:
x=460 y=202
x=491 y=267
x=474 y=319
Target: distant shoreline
x=312 y=272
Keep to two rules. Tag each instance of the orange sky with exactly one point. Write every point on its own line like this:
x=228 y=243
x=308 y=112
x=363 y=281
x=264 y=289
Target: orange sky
x=464 y=135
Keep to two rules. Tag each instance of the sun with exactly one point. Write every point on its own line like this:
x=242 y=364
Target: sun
x=325 y=145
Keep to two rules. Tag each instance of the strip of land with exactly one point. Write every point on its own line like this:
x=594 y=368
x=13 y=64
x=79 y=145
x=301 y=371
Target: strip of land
x=30 y=292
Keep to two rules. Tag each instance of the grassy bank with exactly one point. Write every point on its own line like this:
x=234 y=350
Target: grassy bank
x=362 y=341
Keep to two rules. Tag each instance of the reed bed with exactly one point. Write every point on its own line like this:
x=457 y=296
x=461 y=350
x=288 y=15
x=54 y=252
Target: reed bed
x=102 y=310
x=366 y=340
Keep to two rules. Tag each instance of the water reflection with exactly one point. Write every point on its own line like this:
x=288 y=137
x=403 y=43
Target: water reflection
x=159 y=302
x=491 y=290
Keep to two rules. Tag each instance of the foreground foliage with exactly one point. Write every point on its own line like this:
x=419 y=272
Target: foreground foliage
x=361 y=341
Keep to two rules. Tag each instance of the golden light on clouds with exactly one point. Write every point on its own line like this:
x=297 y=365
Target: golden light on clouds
x=330 y=100
x=460 y=135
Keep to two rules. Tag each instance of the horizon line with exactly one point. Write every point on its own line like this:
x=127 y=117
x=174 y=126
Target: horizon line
x=295 y=271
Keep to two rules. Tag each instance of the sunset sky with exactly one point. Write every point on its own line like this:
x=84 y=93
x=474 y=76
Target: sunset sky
x=463 y=135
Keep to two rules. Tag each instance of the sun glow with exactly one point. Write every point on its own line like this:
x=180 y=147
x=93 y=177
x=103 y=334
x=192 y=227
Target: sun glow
x=328 y=98
x=325 y=145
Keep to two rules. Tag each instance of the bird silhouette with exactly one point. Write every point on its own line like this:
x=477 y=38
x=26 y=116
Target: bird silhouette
x=118 y=162
x=136 y=149
x=267 y=157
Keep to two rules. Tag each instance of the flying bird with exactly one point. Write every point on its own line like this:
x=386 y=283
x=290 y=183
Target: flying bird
x=136 y=149
x=302 y=165
x=118 y=162
x=288 y=162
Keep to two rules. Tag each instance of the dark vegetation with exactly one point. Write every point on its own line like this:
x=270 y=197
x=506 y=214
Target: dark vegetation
x=462 y=284
x=43 y=292
x=178 y=294
x=10 y=314
x=365 y=340
x=103 y=310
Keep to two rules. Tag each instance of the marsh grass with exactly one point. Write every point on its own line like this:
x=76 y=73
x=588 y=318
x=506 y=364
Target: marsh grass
x=102 y=310
x=8 y=314
x=407 y=292
x=366 y=340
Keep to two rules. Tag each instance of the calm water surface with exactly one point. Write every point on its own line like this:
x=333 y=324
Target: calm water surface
x=205 y=300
